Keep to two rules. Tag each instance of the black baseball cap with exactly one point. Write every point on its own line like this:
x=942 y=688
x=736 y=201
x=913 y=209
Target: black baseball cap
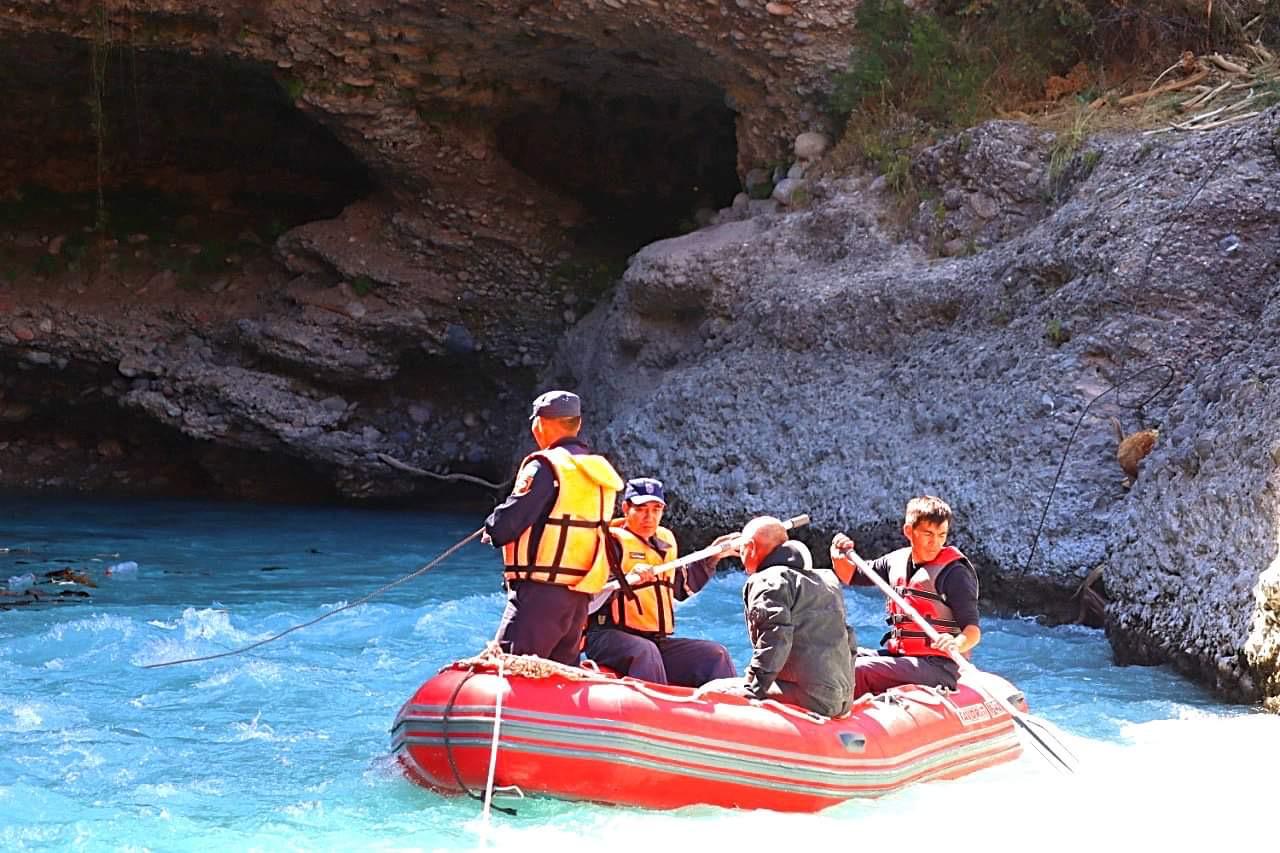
x=557 y=404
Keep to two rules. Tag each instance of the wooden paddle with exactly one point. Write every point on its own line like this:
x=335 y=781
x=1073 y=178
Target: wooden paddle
x=1023 y=720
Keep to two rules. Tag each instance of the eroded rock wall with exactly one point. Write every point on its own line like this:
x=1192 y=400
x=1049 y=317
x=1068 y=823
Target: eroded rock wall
x=812 y=362
x=364 y=226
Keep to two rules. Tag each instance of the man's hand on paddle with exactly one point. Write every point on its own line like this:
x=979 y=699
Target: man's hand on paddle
x=950 y=643
x=842 y=565
x=728 y=543
x=641 y=573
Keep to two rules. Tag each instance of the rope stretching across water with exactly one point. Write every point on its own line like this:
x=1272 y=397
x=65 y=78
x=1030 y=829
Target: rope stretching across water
x=449 y=553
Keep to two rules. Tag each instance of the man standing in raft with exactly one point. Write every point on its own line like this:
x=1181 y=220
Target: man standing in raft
x=934 y=578
x=801 y=646
x=630 y=632
x=552 y=534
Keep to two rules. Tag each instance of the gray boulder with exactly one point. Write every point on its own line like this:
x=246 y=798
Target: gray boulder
x=814 y=362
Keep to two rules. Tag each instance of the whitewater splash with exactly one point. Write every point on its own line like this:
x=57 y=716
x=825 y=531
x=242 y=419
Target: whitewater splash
x=287 y=747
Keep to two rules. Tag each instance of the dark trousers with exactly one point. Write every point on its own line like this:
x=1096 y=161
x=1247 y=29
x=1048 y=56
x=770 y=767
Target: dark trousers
x=544 y=619
x=876 y=672
x=665 y=660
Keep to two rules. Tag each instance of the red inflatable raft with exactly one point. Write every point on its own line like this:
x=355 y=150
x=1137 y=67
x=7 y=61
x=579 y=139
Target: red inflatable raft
x=595 y=737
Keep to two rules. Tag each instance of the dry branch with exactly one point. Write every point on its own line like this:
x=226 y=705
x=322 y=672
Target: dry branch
x=1203 y=98
x=1210 y=126
x=1227 y=65
x=423 y=472
x=1262 y=53
x=1129 y=100
x=1214 y=124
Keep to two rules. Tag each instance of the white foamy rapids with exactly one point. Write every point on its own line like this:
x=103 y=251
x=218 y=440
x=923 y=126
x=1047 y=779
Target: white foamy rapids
x=19 y=716
x=1160 y=791
x=255 y=729
x=259 y=672
x=209 y=624
x=465 y=624
x=99 y=635
x=200 y=632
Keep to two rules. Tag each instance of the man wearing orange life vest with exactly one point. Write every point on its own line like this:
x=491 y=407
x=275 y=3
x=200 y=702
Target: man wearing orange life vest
x=934 y=578
x=552 y=533
x=630 y=631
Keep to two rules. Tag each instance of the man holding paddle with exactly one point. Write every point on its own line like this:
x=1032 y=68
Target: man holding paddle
x=630 y=630
x=552 y=534
x=937 y=581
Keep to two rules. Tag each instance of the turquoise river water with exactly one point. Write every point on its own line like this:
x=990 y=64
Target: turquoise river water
x=286 y=748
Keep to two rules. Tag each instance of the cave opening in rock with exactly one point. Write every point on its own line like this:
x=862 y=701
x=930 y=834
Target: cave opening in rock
x=62 y=428
x=642 y=163
x=133 y=174
x=150 y=146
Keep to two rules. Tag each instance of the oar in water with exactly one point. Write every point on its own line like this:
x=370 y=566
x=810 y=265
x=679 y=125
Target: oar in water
x=1022 y=719
x=687 y=559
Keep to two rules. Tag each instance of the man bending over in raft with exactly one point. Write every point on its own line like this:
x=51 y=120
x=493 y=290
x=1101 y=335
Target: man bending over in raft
x=801 y=646
x=630 y=630
x=934 y=578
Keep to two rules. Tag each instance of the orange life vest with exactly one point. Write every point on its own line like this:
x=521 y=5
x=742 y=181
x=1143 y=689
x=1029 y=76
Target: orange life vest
x=567 y=548
x=650 y=609
x=920 y=590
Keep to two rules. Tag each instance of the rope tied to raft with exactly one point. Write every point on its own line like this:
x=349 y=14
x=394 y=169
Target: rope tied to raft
x=527 y=666
x=530 y=666
x=453 y=765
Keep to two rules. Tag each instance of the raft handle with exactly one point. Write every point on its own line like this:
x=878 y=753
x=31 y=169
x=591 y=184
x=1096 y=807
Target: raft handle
x=853 y=741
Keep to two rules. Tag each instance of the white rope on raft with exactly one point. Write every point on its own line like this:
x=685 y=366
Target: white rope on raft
x=493 y=746
x=531 y=666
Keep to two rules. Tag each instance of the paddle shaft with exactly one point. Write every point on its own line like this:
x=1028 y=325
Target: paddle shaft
x=961 y=661
x=905 y=606
x=709 y=551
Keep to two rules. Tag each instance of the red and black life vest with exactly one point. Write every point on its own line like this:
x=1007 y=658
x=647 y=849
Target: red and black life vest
x=920 y=590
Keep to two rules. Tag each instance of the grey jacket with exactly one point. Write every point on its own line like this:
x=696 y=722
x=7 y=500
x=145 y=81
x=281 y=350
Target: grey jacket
x=796 y=621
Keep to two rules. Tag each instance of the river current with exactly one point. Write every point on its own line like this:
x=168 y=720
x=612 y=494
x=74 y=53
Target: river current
x=287 y=747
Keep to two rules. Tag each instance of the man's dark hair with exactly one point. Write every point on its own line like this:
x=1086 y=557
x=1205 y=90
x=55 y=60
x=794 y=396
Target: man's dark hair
x=927 y=508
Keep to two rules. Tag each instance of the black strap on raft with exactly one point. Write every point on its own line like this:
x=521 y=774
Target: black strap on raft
x=448 y=748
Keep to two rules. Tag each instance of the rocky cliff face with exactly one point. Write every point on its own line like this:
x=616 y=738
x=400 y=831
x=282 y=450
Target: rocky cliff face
x=311 y=232
x=249 y=247
x=813 y=362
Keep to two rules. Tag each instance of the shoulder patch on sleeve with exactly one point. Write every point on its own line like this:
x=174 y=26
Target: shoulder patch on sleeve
x=524 y=480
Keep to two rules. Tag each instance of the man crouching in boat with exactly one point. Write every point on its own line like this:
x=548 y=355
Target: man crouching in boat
x=934 y=578
x=801 y=646
x=552 y=534
x=630 y=630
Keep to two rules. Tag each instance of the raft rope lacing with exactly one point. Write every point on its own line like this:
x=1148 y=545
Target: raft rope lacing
x=531 y=666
